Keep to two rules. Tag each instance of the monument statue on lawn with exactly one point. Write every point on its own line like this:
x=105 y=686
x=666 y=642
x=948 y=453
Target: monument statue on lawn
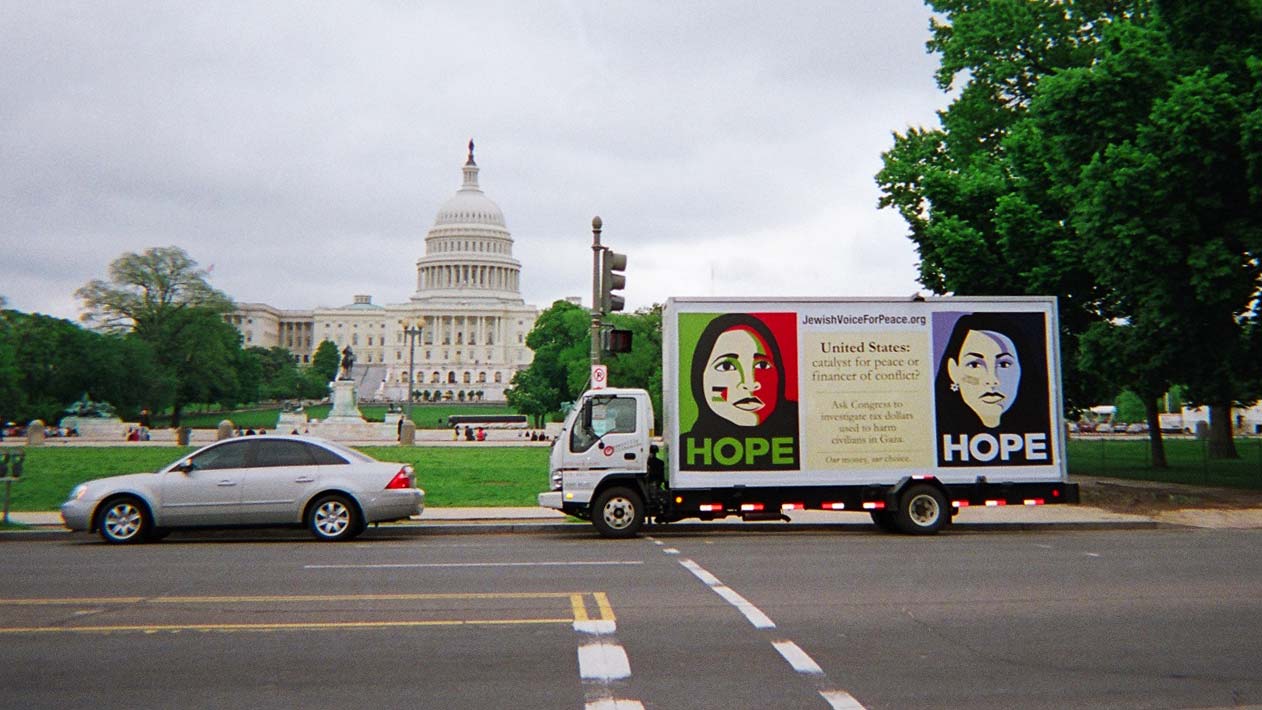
x=348 y=362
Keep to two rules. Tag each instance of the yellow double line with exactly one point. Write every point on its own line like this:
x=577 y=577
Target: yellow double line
x=578 y=606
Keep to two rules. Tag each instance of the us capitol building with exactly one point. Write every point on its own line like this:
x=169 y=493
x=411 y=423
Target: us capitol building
x=468 y=293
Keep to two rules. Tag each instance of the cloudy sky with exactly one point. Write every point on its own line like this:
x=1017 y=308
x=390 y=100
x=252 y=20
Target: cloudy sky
x=301 y=150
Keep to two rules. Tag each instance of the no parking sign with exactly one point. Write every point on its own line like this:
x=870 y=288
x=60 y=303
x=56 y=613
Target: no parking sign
x=600 y=377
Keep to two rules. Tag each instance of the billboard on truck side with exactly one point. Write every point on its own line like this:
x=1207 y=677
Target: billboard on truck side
x=844 y=392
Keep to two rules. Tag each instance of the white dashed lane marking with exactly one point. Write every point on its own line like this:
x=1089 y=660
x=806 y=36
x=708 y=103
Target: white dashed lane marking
x=798 y=659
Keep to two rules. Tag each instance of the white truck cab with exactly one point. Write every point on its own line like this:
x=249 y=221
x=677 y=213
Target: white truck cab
x=606 y=437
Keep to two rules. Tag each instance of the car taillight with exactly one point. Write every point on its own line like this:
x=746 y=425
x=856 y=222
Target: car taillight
x=400 y=480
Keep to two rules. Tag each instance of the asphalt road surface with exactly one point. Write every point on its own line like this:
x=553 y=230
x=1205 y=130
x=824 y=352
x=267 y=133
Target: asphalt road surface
x=1167 y=618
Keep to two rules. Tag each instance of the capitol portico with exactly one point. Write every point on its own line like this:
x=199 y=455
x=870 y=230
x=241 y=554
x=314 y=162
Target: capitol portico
x=468 y=294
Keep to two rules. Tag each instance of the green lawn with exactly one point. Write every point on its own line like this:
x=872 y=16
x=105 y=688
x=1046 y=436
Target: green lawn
x=1188 y=463
x=426 y=416
x=451 y=476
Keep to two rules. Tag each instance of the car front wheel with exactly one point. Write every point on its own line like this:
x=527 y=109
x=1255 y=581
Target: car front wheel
x=333 y=518
x=124 y=521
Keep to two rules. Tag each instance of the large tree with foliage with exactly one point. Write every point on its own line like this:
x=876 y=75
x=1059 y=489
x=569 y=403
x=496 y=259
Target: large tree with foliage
x=559 y=371
x=1100 y=151
x=561 y=341
x=163 y=298
x=52 y=362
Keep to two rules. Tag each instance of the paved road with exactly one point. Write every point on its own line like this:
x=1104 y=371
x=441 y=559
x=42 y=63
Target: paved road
x=1166 y=618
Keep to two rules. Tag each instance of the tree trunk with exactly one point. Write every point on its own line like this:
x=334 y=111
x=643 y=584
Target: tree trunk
x=175 y=415
x=1155 y=441
x=1222 y=445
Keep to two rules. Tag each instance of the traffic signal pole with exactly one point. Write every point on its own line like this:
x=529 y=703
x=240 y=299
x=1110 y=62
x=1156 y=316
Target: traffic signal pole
x=597 y=291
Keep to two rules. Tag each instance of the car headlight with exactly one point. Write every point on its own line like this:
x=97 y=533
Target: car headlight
x=79 y=491
x=556 y=481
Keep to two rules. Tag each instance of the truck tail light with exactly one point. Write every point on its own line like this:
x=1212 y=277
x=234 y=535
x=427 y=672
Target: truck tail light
x=401 y=480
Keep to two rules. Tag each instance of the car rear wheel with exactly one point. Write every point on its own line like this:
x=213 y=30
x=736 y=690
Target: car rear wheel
x=333 y=518
x=124 y=521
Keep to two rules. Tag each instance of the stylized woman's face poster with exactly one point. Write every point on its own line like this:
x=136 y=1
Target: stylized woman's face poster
x=986 y=372
x=737 y=369
x=738 y=399
x=992 y=390
x=741 y=377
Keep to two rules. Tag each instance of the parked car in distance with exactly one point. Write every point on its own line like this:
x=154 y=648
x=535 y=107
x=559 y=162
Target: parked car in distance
x=255 y=481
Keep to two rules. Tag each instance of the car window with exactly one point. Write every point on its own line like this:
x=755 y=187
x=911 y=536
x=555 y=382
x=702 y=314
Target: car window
x=229 y=455
x=282 y=453
x=324 y=457
x=345 y=452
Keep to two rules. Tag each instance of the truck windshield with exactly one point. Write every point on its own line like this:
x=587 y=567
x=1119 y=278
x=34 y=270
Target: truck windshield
x=600 y=416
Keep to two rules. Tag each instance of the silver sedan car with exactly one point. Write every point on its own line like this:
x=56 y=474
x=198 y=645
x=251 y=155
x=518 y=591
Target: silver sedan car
x=250 y=481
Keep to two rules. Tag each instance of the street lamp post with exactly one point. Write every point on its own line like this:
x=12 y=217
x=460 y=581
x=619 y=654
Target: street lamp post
x=412 y=329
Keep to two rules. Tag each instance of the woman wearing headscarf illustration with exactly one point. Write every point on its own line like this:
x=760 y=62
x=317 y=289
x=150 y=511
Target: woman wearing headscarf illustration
x=991 y=390
x=744 y=392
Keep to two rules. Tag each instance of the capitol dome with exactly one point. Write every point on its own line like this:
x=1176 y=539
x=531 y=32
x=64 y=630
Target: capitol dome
x=470 y=205
x=469 y=250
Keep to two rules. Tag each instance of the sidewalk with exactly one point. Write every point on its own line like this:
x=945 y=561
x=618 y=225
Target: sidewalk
x=1044 y=517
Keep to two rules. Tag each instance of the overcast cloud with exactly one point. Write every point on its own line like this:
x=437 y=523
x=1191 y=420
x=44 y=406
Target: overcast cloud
x=302 y=149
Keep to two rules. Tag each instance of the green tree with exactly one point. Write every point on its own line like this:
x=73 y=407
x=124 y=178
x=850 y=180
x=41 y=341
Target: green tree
x=147 y=291
x=326 y=361
x=560 y=369
x=164 y=299
x=642 y=367
x=209 y=361
x=53 y=362
x=1108 y=153
x=12 y=397
x=1176 y=220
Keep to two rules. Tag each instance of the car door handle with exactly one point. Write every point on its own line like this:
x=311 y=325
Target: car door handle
x=225 y=484
x=304 y=479
x=629 y=456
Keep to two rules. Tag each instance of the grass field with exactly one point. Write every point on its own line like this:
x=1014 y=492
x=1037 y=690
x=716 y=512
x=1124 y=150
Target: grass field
x=1187 y=459
x=512 y=476
x=451 y=476
x=426 y=416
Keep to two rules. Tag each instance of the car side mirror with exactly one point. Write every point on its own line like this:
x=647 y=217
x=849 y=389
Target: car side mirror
x=186 y=466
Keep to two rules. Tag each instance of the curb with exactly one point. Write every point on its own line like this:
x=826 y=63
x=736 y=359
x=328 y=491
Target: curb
x=582 y=529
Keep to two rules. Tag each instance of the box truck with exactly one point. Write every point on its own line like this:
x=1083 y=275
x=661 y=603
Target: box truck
x=907 y=410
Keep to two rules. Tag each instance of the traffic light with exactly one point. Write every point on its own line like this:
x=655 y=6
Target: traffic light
x=617 y=340
x=611 y=264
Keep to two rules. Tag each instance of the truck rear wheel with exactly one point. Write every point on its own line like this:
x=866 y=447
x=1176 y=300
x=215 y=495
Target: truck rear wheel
x=618 y=513
x=884 y=519
x=922 y=510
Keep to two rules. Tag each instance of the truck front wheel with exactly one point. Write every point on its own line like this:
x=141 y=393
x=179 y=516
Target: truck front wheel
x=922 y=510
x=618 y=513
